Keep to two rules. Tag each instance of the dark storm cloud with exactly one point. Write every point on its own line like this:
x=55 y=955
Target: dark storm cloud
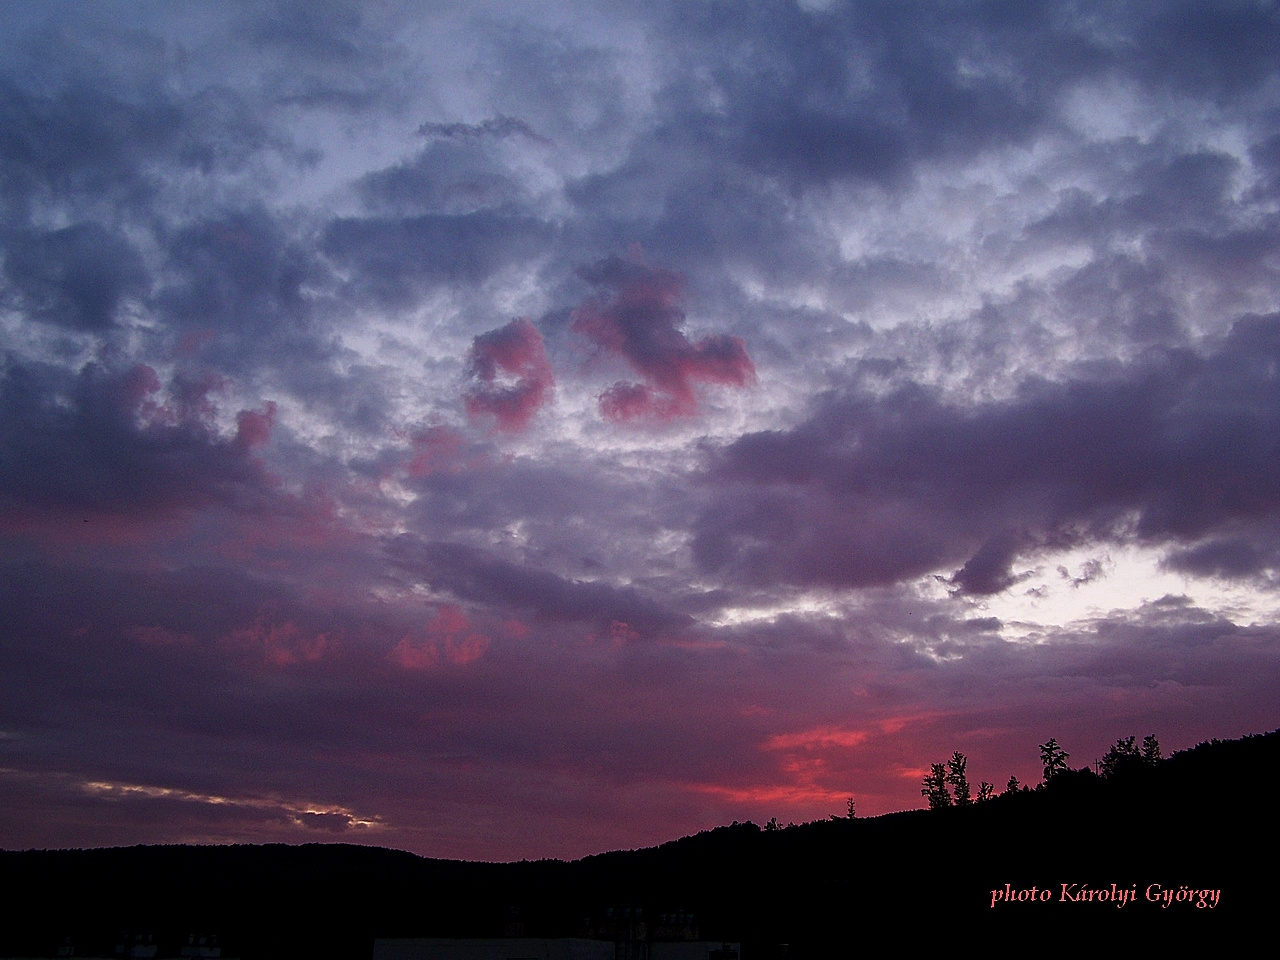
x=47 y=604
x=987 y=571
x=1230 y=557
x=1222 y=49
x=219 y=650
x=323 y=32
x=105 y=442
x=205 y=655
x=396 y=259
x=474 y=575
x=224 y=702
x=443 y=178
x=81 y=140
x=239 y=275
x=865 y=91
x=499 y=128
x=75 y=277
x=95 y=146
x=1171 y=448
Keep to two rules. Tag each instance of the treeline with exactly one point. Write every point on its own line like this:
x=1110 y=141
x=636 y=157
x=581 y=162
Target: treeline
x=947 y=783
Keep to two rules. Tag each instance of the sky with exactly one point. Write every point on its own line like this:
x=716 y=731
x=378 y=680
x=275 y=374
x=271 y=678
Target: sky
x=506 y=430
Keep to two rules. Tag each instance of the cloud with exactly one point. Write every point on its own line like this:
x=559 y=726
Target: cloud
x=450 y=176
x=440 y=450
x=76 y=277
x=73 y=142
x=394 y=258
x=119 y=443
x=322 y=32
x=865 y=94
x=1168 y=449
x=241 y=276
x=988 y=570
x=499 y=128
x=513 y=374
x=791 y=716
x=637 y=318
x=1224 y=51
x=253 y=427
x=450 y=633
x=1246 y=555
x=470 y=574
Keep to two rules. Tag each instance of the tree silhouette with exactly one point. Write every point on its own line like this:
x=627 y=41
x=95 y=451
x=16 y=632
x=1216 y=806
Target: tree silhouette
x=1012 y=785
x=956 y=777
x=986 y=791
x=1124 y=757
x=1123 y=754
x=852 y=811
x=1054 y=759
x=1151 y=749
x=935 y=787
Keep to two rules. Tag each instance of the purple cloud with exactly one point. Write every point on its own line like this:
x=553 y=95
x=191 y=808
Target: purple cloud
x=1169 y=449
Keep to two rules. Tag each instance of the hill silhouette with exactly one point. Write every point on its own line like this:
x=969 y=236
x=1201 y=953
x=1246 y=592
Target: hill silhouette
x=1202 y=820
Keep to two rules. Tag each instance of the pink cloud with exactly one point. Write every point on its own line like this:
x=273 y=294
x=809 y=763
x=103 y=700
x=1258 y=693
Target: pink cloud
x=134 y=387
x=411 y=654
x=281 y=642
x=450 y=632
x=514 y=628
x=801 y=796
x=467 y=649
x=140 y=395
x=513 y=374
x=638 y=319
x=622 y=632
x=253 y=427
x=817 y=738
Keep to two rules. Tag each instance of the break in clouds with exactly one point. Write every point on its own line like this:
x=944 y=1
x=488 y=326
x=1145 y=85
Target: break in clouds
x=502 y=430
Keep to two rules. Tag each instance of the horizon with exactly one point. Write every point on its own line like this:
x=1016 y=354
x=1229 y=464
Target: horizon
x=762 y=828
x=509 y=431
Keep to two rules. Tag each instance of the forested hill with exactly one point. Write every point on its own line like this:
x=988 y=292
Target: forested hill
x=1197 y=828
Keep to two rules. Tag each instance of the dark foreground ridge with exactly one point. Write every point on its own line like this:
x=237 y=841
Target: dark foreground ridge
x=1176 y=854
